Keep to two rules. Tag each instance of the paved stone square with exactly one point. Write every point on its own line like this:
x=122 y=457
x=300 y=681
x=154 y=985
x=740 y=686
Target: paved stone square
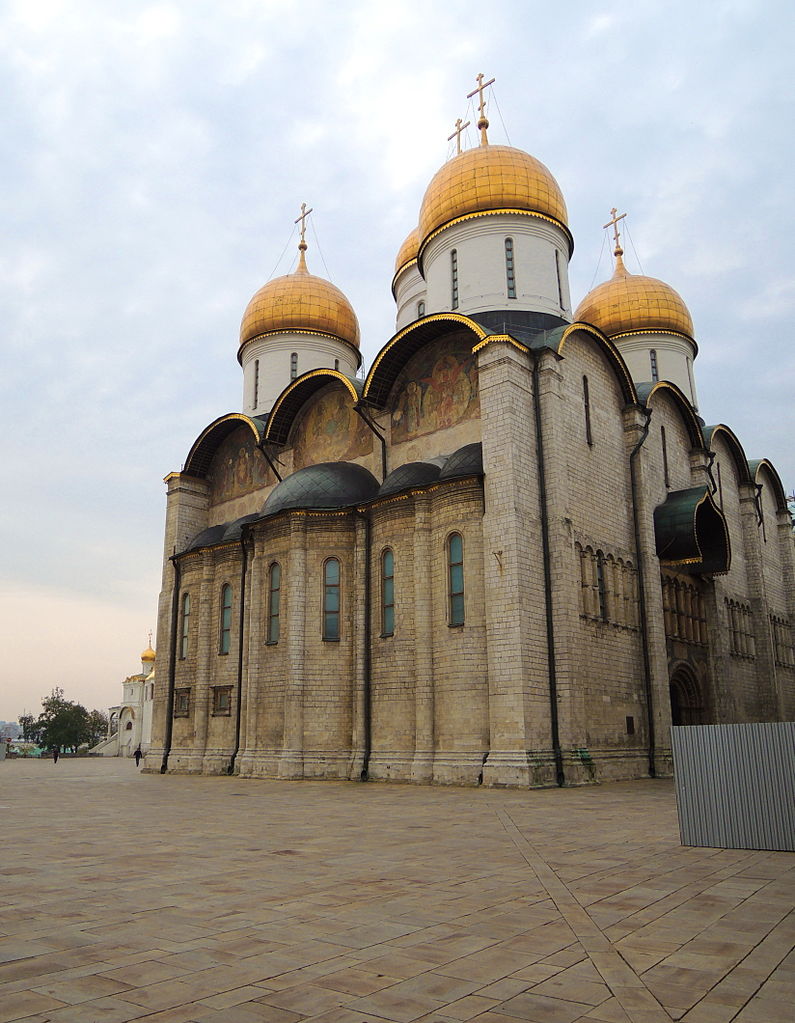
x=126 y=896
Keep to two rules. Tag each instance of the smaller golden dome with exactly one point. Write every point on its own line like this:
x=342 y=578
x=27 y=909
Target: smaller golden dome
x=631 y=302
x=301 y=302
x=408 y=250
x=490 y=178
x=148 y=654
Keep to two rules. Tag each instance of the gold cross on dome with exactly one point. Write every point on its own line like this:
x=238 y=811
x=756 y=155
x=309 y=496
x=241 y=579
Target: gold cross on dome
x=614 y=224
x=459 y=127
x=302 y=218
x=483 y=121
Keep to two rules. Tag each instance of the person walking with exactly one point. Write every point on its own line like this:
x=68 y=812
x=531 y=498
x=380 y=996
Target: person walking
x=55 y=753
x=138 y=754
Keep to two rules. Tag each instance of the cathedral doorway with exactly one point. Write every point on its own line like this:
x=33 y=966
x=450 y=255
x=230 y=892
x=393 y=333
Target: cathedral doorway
x=687 y=706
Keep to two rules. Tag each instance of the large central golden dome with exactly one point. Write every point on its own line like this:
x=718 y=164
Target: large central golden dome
x=490 y=178
x=300 y=302
x=628 y=303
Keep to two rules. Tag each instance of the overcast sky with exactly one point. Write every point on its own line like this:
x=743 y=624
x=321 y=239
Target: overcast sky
x=154 y=156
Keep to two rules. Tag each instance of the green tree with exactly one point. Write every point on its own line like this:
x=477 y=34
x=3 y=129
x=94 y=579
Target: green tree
x=62 y=722
x=97 y=725
x=27 y=723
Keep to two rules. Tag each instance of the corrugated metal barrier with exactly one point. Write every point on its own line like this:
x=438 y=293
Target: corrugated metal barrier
x=735 y=785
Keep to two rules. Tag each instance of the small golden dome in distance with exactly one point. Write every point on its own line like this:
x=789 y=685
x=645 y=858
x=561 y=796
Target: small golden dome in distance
x=300 y=302
x=148 y=654
x=631 y=302
x=408 y=250
x=490 y=178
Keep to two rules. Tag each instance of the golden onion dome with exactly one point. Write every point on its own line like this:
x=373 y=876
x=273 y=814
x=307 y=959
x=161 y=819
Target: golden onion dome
x=628 y=303
x=300 y=302
x=148 y=654
x=407 y=251
x=490 y=178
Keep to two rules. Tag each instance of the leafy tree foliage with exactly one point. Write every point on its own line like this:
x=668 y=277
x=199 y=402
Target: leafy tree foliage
x=64 y=723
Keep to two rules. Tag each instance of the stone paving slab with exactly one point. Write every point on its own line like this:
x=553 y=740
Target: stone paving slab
x=178 y=899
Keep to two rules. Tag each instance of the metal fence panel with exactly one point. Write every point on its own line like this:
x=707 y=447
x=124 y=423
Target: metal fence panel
x=735 y=785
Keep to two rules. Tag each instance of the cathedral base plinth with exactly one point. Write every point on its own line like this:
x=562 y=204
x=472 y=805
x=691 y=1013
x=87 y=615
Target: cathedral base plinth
x=391 y=766
x=291 y=765
x=519 y=769
x=457 y=768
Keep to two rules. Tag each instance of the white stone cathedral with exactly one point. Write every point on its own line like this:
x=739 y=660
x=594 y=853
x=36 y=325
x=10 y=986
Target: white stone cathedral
x=511 y=554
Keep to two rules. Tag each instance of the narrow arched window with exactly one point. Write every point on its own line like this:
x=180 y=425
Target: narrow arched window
x=454 y=279
x=226 y=619
x=665 y=458
x=274 y=601
x=337 y=364
x=586 y=403
x=420 y=310
x=294 y=365
x=183 y=647
x=387 y=593
x=455 y=579
x=510 y=272
x=601 y=585
x=256 y=383
x=655 y=375
x=331 y=599
x=560 y=282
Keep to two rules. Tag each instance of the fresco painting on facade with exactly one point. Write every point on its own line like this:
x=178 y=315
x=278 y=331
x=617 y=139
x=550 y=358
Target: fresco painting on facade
x=437 y=389
x=551 y=571
x=238 y=469
x=330 y=431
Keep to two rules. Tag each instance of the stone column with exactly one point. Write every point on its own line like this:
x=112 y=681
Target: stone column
x=424 y=740
x=186 y=515
x=519 y=724
x=360 y=653
x=291 y=762
x=649 y=564
x=768 y=698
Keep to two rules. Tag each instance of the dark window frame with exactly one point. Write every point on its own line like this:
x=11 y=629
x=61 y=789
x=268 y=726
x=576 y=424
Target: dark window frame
x=456 y=589
x=332 y=594
x=274 y=603
x=387 y=592
x=184 y=632
x=222 y=701
x=182 y=702
x=454 y=278
x=510 y=268
x=225 y=622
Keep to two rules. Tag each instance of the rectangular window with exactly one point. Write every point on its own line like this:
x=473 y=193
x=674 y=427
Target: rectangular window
x=256 y=384
x=181 y=703
x=226 y=619
x=420 y=310
x=294 y=365
x=387 y=593
x=331 y=600
x=454 y=279
x=274 y=601
x=560 y=282
x=630 y=725
x=222 y=701
x=509 y=268
x=455 y=577
x=653 y=363
x=601 y=585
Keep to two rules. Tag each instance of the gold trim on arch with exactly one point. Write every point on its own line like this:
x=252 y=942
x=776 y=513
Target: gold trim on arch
x=496 y=339
x=587 y=328
x=334 y=374
x=465 y=321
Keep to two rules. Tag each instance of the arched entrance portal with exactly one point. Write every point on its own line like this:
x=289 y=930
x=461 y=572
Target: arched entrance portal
x=687 y=707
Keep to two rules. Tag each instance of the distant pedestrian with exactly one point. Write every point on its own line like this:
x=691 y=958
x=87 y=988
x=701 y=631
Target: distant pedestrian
x=55 y=753
x=138 y=754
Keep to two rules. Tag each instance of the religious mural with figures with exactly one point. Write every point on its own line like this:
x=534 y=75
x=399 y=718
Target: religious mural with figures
x=238 y=468
x=437 y=389
x=330 y=431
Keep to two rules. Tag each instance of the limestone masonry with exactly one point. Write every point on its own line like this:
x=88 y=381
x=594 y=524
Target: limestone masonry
x=512 y=553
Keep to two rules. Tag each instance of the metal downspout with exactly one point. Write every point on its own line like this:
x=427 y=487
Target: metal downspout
x=560 y=777
x=172 y=664
x=240 y=640
x=644 y=634
x=361 y=413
